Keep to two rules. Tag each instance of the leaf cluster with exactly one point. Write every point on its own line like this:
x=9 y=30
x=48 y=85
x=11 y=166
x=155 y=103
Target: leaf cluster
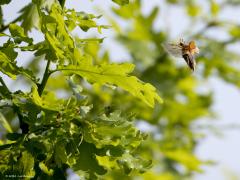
x=60 y=133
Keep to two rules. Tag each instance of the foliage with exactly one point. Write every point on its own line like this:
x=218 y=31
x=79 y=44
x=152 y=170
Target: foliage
x=173 y=141
x=61 y=133
x=83 y=111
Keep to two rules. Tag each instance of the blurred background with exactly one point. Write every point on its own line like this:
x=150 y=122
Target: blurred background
x=195 y=133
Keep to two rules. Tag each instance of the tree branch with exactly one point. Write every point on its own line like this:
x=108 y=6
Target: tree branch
x=4 y=27
x=23 y=126
x=46 y=75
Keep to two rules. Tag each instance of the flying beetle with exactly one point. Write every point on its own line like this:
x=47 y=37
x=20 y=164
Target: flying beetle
x=183 y=50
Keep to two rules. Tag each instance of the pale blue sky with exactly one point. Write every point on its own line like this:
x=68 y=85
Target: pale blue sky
x=227 y=98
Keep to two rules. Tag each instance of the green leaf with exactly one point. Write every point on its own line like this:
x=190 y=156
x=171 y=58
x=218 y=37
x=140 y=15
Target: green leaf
x=6 y=146
x=126 y=162
x=5 y=2
x=16 y=30
x=107 y=162
x=87 y=162
x=172 y=1
x=116 y=136
x=129 y=163
x=193 y=9
x=87 y=41
x=5 y=123
x=7 y=66
x=3 y=34
x=36 y=147
x=214 y=7
x=117 y=75
x=235 y=31
x=48 y=101
x=115 y=130
x=18 y=33
x=83 y=20
x=121 y=2
x=152 y=16
x=45 y=169
x=8 y=49
x=14 y=136
x=30 y=18
x=26 y=163
x=129 y=11
x=60 y=154
x=185 y=158
x=58 y=44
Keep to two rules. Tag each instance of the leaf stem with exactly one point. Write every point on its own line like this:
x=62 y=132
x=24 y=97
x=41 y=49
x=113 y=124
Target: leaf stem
x=46 y=75
x=4 y=27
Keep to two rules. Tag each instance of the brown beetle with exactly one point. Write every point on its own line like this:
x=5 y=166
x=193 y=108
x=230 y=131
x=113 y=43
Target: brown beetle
x=184 y=50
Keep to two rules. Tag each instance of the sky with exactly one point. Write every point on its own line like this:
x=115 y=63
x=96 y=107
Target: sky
x=225 y=149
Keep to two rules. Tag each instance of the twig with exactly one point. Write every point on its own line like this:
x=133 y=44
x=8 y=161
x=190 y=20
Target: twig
x=4 y=27
x=46 y=75
x=24 y=126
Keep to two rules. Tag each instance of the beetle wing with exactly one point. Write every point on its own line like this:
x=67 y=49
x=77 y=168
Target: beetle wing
x=173 y=49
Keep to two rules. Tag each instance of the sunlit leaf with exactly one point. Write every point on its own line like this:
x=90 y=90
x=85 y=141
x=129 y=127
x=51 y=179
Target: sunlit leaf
x=5 y=123
x=48 y=101
x=214 y=8
x=45 y=169
x=101 y=132
x=30 y=18
x=115 y=74
x=27 y=164
x=7 y=66
x=121 y=2
x=185 y=158
x=235 y=31
x=193 y=9
x=18 y=33
x=83 y=20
